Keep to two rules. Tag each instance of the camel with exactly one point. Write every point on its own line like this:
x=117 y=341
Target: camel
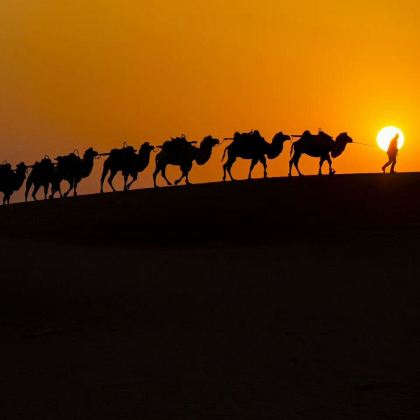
x=11 y=180
x=180 y=152
x=320 y=145
x=126 y=160
x=41 y=176
x=73 y=169
x=253 y=147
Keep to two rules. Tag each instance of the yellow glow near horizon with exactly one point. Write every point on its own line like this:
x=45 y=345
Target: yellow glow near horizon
x=80 y=74
x=387 y=134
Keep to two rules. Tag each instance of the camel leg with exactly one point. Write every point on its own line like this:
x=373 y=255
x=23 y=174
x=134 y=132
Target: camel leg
x=55 y=189
x=70 y=188
x=187 y=180
x=164 y=175
x=158 y=168
x=75 y=184
x=253 y=163
x=332 y=171
x=155 y=174
x=185 y=169
x=290 y=166
x=46 y=188
x=295 y=161
x=125 y=176
x=134 y=176
x=103 y=176
x=35 y=190
x=297 y=167
x=28 y=187
x=264 y=163
x=110 y=179
x=180 y=179
x=321 y=162
x=228 y=167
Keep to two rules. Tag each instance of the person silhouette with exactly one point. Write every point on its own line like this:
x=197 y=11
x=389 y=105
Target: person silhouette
x=392 y=154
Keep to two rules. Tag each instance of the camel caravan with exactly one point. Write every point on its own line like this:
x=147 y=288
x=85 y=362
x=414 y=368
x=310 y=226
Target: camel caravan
x=49 y=174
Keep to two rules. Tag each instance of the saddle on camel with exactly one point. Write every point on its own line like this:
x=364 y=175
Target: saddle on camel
x=177 y=146
x=68 y=162
x=253 y=137
x=125 y=153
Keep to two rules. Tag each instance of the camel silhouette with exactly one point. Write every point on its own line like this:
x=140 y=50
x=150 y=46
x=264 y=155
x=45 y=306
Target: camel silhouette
x=41 y=176
x=126 y=160
x=321 y=146
x=73 y=169
x=11 y=180
x=182 y=153
x=253 y=147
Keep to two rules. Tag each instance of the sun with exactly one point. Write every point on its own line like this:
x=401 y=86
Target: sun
x=385 y=136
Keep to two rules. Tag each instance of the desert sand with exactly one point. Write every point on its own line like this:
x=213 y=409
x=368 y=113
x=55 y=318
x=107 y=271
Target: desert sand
x=270 y=299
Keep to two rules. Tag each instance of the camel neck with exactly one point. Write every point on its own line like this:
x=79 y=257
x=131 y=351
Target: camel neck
x=203 y=154
x=274 y=149
x=87 y=166
x=19 y=179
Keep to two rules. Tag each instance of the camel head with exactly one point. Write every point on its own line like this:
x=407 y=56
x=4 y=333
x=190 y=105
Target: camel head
x=21 y=168
x=280 y=138
x=203 y=154
x=90 y=154
x=146 y=148
x=340 y=144
x=209 y=141
x=276 y=147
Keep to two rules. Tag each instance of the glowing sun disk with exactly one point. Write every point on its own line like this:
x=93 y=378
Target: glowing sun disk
x=385 y=136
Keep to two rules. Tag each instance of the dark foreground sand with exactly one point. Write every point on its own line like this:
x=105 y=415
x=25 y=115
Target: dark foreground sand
x=280 y=299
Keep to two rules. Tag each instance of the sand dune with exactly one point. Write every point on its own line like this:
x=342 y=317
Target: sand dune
x=271 y=299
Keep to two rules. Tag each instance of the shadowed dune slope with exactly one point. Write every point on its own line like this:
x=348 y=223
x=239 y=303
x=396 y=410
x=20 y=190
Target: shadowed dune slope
x=272 y=299
x=260 y=209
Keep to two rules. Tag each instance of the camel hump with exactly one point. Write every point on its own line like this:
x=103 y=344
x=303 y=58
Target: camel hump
x=5 y=168
x=124 y=152
x=43 y=166
x=325 y=136
x=69 y=160
x=177 y=145
x=252 y=136
x=37 y=165
x=321 y=137
x=46 y=161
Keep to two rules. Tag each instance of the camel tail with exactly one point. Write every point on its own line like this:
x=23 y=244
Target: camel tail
x=29 y=180
x=224 y=153
x=292 y=149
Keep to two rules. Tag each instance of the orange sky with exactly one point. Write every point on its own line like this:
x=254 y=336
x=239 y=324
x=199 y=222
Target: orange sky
x=75 y=74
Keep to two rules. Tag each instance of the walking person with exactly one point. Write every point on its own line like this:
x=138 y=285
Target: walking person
x=392 y=154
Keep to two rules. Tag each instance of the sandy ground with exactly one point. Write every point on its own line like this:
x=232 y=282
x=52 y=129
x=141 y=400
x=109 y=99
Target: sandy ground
x=164 y=318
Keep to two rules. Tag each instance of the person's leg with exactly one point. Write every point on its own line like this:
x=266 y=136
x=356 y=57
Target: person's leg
x=394 y=162
x=386 y=165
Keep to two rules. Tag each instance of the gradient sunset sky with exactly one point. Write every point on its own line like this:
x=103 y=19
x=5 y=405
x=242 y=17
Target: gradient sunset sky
x=76 y=73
